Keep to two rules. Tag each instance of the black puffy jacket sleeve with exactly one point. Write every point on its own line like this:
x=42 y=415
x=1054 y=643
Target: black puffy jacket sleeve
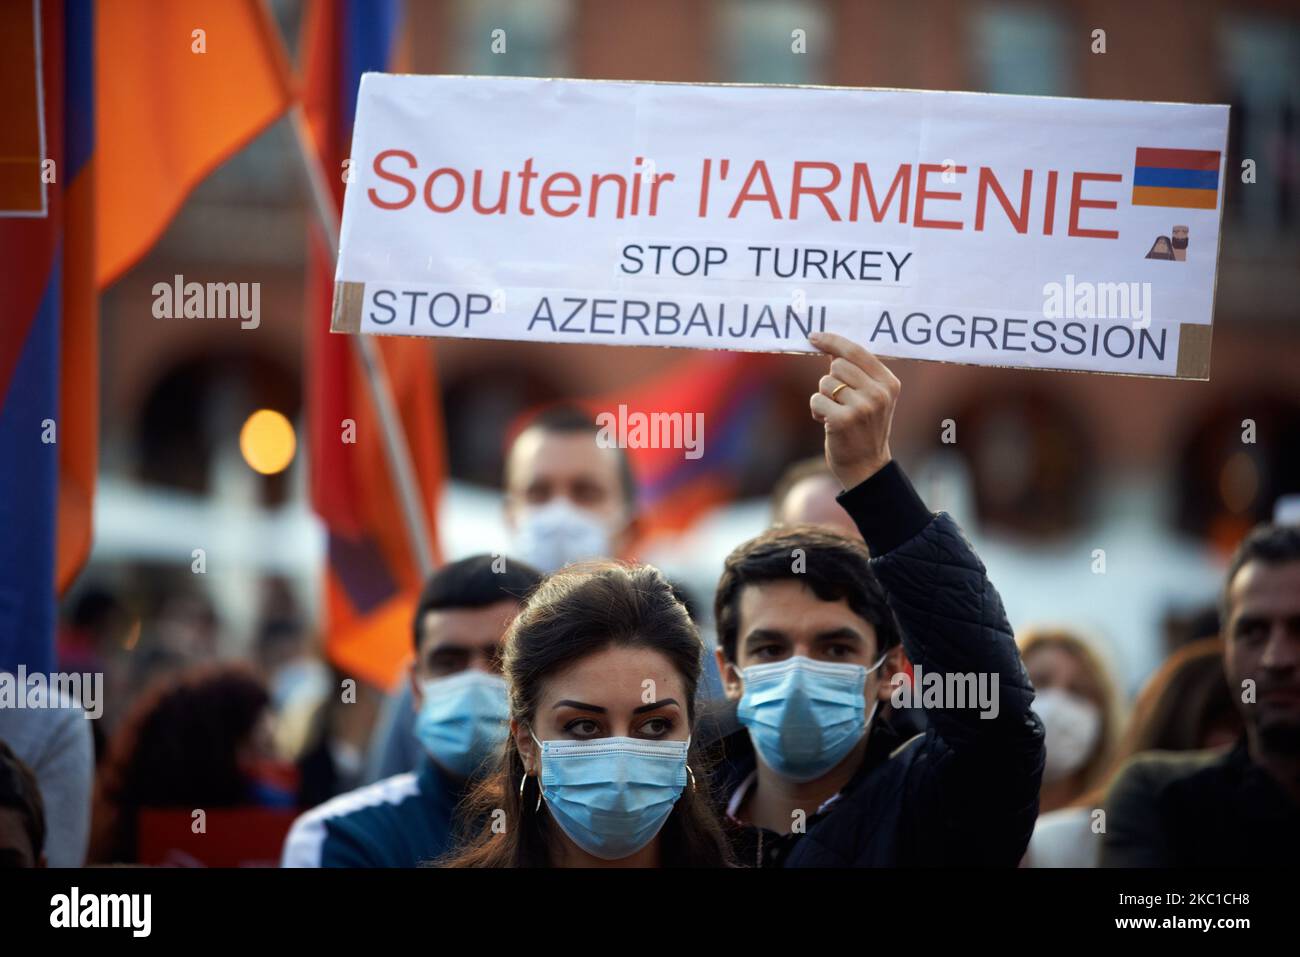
x=971 y=795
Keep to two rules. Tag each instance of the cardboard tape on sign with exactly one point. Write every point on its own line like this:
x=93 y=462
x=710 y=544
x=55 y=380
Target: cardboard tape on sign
x=348 y=297
x=1194 y=351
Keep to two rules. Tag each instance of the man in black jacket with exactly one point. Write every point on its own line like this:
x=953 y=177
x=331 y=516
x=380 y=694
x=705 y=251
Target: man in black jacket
x=1240 y=808
x=805 y=628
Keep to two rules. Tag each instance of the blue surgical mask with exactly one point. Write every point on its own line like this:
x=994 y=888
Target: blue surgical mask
x=463 y=719
x=612 y=795
x=805 y=716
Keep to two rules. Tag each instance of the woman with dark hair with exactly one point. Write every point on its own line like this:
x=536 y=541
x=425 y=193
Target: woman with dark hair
x=202 y=739
x=602 y=666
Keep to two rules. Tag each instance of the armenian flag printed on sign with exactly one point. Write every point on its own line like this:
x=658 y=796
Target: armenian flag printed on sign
x=1180 y=179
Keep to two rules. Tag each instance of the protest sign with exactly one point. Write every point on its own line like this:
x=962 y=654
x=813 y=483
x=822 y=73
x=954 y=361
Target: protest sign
x=1043 y=232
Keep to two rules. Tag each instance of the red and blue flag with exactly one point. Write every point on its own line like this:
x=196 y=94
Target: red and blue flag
x=1178 y=179
x=48 y=336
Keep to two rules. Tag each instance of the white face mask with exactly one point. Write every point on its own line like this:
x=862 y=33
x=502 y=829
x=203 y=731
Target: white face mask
x=553 y=535
x=298 y=679
x=1073 y=727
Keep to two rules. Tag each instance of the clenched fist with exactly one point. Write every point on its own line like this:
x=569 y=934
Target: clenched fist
x=855 y=402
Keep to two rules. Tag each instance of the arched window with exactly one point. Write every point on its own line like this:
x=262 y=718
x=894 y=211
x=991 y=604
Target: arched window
x=1239 y=457
x=197 y=408
x=1028 y=459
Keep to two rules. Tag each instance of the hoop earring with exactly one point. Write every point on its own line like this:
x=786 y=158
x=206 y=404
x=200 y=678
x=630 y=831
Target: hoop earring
x=692 y=776
x=538 y=806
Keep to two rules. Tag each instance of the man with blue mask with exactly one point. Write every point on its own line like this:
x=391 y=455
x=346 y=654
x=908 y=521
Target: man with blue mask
x=812 y=626
x=460 y=722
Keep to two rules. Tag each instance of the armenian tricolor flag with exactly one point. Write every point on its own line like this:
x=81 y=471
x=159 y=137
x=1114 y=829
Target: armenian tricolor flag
x=729 y=389
x=372 y=580
x=1181 y=179
x=111 y=113
x=48 y=320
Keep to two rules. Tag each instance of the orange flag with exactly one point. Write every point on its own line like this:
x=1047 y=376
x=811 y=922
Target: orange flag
x=372 y=580
x=180 y=87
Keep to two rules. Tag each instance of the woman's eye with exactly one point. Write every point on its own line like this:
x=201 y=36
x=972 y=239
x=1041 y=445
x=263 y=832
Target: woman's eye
x=583 y=728
x=656 y=727
x=768 y=651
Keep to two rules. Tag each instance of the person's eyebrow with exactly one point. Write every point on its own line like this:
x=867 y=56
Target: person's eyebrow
x=447 y=644
x=579 y=705
x=840 y=634
x=657 y=704
x=764 y=634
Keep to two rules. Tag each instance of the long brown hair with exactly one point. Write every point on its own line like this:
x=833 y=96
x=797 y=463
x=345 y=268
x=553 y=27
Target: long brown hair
x=574 y=613
x=1186 y=699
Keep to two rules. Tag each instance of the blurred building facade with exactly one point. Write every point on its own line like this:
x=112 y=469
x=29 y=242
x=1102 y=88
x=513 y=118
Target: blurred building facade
x=1048 y=468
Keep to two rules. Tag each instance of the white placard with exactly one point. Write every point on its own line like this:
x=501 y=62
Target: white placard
x=996 y=230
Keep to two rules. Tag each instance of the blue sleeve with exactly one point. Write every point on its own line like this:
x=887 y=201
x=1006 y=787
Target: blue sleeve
x=343 y=849
x=316 y=841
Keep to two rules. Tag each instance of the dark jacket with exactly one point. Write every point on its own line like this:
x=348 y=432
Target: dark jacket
x=964 y=793
x=1199 y=809
x=402 y=821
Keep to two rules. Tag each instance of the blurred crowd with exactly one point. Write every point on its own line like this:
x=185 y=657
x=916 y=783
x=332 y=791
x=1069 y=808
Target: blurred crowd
x=562 y=708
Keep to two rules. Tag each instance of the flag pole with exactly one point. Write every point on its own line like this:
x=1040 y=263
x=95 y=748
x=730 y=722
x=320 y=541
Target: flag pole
x=395 y=446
